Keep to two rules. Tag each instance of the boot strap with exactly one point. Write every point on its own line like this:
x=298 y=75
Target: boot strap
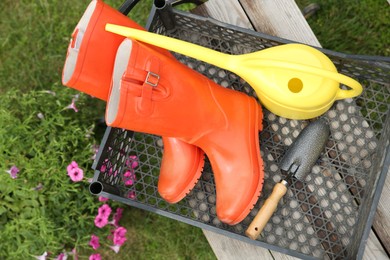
x=150 y=78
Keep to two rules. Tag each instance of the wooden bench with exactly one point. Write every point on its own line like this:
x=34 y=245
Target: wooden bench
x=284 y=19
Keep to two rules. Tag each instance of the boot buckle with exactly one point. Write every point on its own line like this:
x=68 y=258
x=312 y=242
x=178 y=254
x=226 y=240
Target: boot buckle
x=152 y=79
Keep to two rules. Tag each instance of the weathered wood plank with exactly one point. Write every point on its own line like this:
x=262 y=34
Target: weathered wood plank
x=229 y=12
x=280 y=18
x=374 y=249
x=381 y=222
x=228 y=248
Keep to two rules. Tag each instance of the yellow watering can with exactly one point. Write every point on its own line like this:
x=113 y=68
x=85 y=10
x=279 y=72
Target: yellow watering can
x=292 y=80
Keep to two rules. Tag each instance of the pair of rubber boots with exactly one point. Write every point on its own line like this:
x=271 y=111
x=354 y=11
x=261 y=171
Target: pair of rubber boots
x=148 y=90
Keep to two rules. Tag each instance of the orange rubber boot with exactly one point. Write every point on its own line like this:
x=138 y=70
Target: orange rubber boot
x=88 y=68
x=91 y=51
x=161 y=96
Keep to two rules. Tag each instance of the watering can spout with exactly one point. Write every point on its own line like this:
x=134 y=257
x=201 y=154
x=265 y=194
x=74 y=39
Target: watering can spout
x=189 y=49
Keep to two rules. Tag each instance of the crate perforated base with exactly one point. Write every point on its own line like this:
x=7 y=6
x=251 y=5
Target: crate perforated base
x=328 y=215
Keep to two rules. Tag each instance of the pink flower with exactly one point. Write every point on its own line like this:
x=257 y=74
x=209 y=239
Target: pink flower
x=119 y=241
x=131 y=194
x=75 y=256
x=117 y=216
x=132 y=161
x=103 y=199
x=120 y=231
x=100 y=221
x=95 y=257
x=119 y=236
x=71 y=166
x=73 y=105
x=76 y=174
x=13 y=171
x=115 y=248
x=94 y=242
x=106 y=165
x=129 y=177
x=104 y=211
x=62 y=256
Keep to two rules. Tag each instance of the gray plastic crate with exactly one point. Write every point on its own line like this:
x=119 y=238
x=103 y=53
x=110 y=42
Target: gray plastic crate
x=329 y=215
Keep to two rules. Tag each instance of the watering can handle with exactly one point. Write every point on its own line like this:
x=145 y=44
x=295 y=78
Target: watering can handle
x=356 y=87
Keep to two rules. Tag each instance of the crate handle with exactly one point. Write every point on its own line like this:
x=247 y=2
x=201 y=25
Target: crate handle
x=127 y=6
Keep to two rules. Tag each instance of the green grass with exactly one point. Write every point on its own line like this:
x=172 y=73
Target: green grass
x=151 y=236
x=352 y=26
x=33 y=39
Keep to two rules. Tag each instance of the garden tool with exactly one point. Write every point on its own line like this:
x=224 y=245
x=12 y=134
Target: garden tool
x=297 y=162
x=156 y=94
x=88 y=68
x=293 y=80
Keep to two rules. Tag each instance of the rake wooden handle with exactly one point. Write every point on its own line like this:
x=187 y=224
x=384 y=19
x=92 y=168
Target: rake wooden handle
x=266 y=211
